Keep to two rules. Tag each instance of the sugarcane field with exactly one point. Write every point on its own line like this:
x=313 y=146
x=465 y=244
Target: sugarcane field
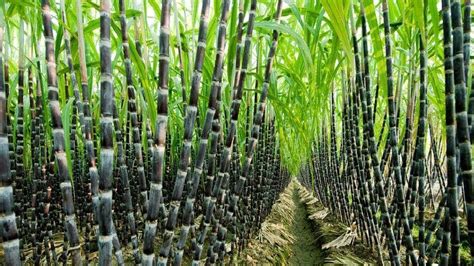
x=236 y=132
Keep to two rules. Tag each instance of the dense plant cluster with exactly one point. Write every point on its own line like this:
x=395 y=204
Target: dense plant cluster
x=99 y=169
x=158 y=132
x=410 y=190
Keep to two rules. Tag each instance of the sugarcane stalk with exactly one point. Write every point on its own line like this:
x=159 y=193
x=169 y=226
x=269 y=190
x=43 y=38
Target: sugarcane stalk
x=87 y=126
x=213 y=103
x=21 y=180
x=158 y=149
x=225 y=156
x=462 y=130
x=258 y=119
x=106 y=225
x=8 y=228
x=189 y=121
x=361 y=83
x=58 y=136
x=136 y=136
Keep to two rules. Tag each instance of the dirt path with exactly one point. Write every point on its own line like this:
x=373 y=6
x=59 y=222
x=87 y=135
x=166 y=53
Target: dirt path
x=289 y=237
x=305 y=249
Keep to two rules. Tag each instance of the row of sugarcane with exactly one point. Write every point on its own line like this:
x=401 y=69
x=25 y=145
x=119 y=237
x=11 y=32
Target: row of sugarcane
x=389 y=197
x=116 y=192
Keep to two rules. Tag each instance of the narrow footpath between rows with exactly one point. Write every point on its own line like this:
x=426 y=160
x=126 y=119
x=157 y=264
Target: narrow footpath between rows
x=305 y=248
x=296 y=230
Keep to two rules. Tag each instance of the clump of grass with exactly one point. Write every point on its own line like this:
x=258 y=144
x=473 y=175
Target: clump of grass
x=465 y=253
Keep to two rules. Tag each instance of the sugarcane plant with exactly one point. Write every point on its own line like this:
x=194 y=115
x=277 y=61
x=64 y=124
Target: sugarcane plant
x=404 y=190
x=163 y=132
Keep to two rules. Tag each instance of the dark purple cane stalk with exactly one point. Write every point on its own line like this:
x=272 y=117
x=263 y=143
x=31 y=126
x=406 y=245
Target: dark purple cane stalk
x=71 y=232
